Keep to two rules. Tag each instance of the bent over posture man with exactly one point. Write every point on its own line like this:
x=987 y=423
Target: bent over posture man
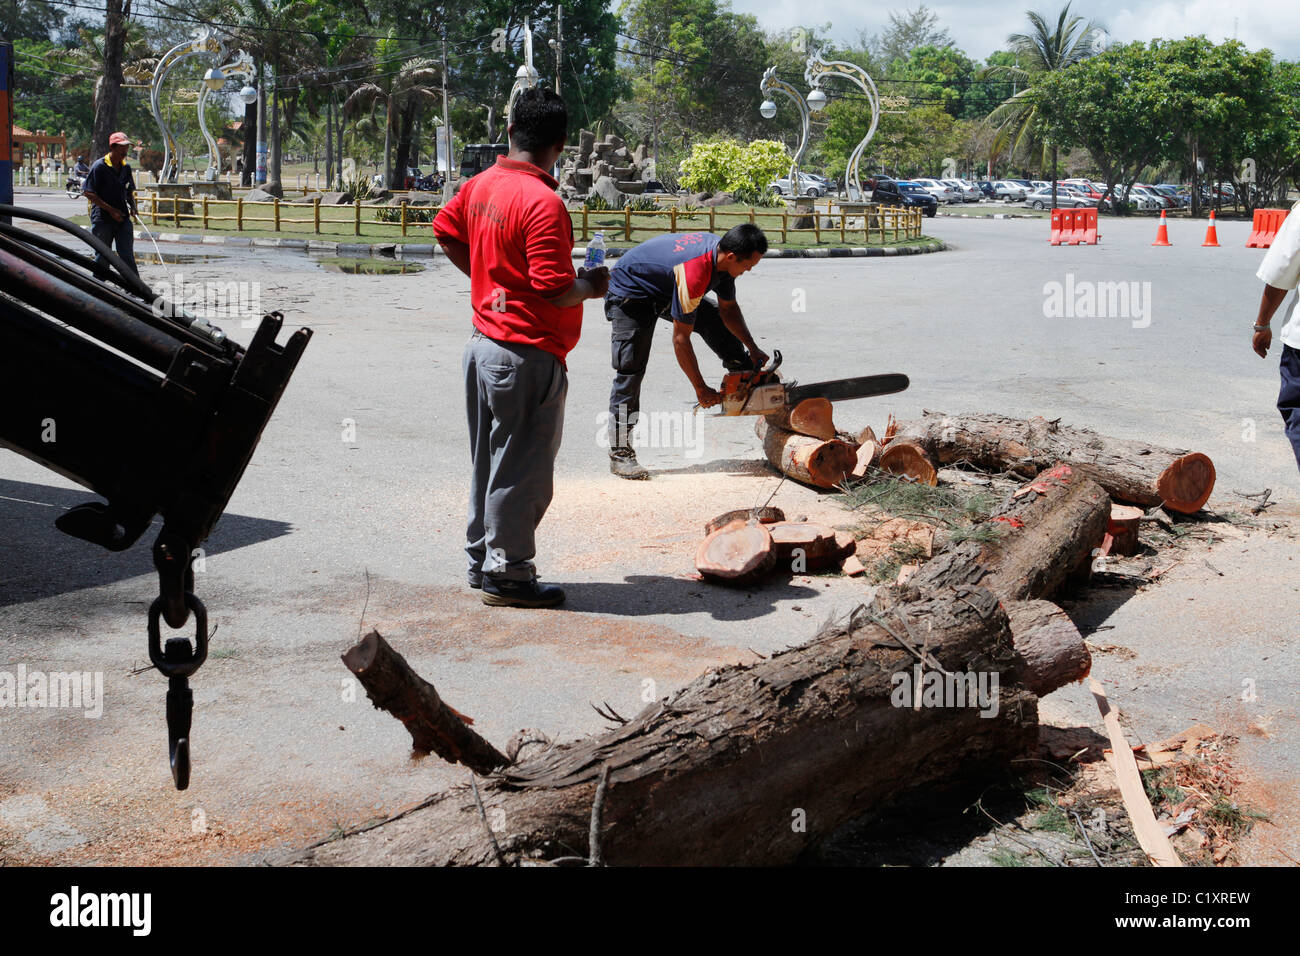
x=110 y=188
x=668 y=277
x=509 y=231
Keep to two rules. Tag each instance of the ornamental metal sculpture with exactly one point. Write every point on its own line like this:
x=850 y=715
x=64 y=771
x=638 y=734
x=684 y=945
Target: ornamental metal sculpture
x=771 y=84
x=818 y=69
x=203 y=43
x=242 y=66
x=526 y=76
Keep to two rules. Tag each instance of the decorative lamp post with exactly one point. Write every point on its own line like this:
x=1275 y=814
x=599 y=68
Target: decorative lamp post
x=771 y=84
x=526 y=75
x=213 y=81
x=818 y=69
x=204 y=43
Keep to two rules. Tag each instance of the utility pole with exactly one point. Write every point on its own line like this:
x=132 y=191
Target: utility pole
x=446 y=125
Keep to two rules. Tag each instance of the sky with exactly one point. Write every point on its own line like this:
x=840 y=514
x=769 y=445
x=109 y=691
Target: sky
x=979 y=27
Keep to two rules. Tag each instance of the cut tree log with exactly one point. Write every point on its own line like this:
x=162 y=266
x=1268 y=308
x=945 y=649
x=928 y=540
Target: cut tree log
x=1051 y=649
x=711 y=775
x=822 y=464
x=1049 y=528
x=908 y=459
x=816 y=545
x=867 y=434
x=1123 y=529
x=1132 y=472
x=393 y=686
x=737 y=554
x=764 y=515
x=812 y=416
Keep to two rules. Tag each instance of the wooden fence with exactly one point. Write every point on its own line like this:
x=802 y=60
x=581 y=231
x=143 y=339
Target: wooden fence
x=879 y=223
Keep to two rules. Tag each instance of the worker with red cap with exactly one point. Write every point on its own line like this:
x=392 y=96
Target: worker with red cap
x=110 y=188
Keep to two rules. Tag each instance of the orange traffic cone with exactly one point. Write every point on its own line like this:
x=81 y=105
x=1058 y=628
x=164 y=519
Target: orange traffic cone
x=1211 y=234
x=1162 y=234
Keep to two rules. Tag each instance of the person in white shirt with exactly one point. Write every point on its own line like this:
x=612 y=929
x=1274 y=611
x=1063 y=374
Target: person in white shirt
x=1280 y=272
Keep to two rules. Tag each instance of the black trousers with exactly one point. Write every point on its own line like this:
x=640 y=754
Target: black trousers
x=632 y=329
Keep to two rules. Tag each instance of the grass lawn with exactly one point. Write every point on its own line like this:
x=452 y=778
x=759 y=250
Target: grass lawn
x=338 y=223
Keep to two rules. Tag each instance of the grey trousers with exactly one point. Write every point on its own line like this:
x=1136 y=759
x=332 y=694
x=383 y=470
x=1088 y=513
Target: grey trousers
x=119 y=237
x=514 y=397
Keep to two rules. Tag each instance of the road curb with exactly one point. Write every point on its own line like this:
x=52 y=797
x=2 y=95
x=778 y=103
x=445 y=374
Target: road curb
x=390 y=250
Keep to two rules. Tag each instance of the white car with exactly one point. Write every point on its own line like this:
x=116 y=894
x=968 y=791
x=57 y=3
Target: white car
x=808 y=186
x=1143 y=199
x=969 y=191
x=1002 y=189
x=939 y=191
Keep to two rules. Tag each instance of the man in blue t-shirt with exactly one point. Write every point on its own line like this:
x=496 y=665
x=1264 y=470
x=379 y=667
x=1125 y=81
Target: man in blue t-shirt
x=668 y=277
x=110 y=188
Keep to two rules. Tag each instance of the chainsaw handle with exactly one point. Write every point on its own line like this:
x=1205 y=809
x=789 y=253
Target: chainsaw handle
x=773 y=363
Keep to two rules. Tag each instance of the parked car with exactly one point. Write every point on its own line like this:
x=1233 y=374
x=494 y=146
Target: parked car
x=985 y=187
x=969 y=191
x=1172 y=192
x=1139 y=198
x=808 y=186
x=1065 y=199
x=903 y=192
x=938 y=190
x=1009 y=190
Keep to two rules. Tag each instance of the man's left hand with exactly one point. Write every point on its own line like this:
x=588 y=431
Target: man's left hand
x=758 y=357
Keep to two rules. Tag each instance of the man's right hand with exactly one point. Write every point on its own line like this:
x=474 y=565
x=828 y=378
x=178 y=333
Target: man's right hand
x=707 y=397
x=117 y=214
x=598 y=279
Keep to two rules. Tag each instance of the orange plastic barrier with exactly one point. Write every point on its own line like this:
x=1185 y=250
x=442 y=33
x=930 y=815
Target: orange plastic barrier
x=1074 y=227
x=1264 y=227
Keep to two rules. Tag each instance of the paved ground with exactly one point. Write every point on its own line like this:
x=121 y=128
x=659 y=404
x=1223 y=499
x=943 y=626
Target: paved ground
x=322 y=528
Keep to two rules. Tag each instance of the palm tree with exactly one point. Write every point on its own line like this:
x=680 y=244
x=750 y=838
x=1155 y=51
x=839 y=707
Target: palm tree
x=86 y=64
x=1043 y=49
x=415 y=83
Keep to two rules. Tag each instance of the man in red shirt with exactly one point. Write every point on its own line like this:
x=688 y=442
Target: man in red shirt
x=508 y=230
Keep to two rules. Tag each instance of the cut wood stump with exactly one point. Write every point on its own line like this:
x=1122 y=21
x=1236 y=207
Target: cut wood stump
x=393 y=686
x=822 y=464
x=802 y=546
x=737 y=554
x=908 y=459
x=1123 y=529
x=812 y=416
x=764 y=515
x=1132 y=472
x=867 y=434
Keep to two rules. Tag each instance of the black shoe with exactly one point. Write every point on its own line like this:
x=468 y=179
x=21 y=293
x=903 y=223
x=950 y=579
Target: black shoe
x=475 y=582
x=499 y=592
x=622 y=462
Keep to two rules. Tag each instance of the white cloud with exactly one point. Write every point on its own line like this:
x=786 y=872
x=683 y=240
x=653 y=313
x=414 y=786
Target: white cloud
x=979 y=28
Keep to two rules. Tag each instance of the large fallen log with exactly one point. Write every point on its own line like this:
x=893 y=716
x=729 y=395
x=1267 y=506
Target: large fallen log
x=927 y=689
x=823 y=464
x=1048 y=529
x=750 y=765
x=1131 y=471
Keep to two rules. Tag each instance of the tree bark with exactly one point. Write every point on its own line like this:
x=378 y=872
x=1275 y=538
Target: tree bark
x=823 y=464
x=249 y=129
x=764 y=515
x=108 y=91
x=1132 y=472
x=1051 y=649
x=747 y=765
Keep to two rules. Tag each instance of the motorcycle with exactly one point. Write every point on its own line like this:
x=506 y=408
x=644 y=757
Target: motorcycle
x=429 y=184
x=74 y=185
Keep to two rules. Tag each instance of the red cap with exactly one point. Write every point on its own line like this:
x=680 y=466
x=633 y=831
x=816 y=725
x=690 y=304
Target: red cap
x=119 y=139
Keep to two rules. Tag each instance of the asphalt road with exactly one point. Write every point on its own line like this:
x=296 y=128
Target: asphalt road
x=338 y=528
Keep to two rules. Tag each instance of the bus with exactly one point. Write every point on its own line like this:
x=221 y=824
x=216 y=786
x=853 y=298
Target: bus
x=478 y=157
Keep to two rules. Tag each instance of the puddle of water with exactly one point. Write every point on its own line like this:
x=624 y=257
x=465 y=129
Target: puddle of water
x=151 y=258
x=370 y=267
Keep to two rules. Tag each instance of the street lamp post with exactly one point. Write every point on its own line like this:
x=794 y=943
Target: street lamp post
x=818 y=69
x=771 y=84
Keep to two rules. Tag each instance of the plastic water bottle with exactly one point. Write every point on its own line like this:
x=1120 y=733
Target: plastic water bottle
x=595 y=252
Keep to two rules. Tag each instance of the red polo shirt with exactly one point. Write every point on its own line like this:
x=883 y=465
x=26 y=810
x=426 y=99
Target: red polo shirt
x=520 y=243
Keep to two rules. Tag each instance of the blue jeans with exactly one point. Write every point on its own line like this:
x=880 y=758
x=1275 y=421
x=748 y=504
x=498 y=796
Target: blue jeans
x=1288 y=399
x=117 y=236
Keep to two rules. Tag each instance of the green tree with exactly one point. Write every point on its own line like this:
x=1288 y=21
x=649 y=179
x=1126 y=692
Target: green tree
x=1044 y=50
x=406 y=87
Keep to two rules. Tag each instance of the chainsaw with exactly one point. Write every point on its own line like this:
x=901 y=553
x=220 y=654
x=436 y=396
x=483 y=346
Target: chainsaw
x=763 y=392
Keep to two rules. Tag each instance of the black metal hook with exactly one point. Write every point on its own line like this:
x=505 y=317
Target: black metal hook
x=178 y=661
